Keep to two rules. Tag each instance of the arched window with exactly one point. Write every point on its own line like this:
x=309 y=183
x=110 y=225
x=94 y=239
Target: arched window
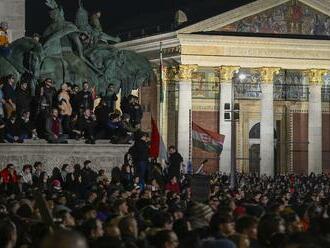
x=255 y=131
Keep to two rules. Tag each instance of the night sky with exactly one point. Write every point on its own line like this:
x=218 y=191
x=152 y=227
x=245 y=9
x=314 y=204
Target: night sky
x=117 y=13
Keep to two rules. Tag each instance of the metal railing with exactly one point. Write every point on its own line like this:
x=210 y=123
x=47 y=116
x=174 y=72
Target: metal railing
x=247 y=91
x=291 y=92
x=326 y=93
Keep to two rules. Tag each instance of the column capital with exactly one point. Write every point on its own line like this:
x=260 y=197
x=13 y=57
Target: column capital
x=186 y=71
x=267 y=74
x=169 y=73
x=226 y=73
x=316 y=76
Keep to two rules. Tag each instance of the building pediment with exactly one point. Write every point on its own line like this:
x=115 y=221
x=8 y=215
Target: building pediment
x=287 y=17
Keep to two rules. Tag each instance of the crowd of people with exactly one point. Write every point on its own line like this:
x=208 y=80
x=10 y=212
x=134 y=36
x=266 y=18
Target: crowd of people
x=145 y=205
x=71 y=112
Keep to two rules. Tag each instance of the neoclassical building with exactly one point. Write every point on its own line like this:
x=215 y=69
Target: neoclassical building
x=273 y=58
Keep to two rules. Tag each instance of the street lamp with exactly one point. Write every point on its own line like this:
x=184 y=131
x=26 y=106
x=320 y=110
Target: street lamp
x=231 y=111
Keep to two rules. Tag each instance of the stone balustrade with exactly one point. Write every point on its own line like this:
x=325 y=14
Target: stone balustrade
x=103 y=155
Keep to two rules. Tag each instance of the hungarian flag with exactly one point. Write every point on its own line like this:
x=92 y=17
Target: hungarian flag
x=207 y=140
x=155 y=138
x=157 y=147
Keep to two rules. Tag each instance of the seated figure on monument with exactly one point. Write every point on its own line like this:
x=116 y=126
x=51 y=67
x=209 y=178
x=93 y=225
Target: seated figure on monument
x=4 y=39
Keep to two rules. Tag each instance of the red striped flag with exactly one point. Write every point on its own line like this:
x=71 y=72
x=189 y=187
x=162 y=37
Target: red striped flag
x=207 y=140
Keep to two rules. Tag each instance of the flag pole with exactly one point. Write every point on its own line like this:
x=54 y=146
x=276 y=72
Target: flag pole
x=233 y=181
x=161 y=100
x=190 y=141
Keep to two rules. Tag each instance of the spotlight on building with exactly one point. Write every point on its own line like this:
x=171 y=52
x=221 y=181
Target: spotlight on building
x=242 y=76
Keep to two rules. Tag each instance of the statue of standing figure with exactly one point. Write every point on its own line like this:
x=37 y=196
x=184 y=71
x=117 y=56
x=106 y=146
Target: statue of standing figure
x=76 y=52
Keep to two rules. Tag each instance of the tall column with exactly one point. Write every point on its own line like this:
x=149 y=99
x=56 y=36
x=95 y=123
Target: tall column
x=226 y=76
x=185 y=106
x=267 y=122
x=315 y=121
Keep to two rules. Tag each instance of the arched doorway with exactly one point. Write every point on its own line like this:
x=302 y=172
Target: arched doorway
x=254 y=149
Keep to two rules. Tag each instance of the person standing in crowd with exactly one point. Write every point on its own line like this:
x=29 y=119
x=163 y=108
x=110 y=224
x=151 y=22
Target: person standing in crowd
x=174 y=162
x=54 y=130
x=85 y=98
x=9 y=93
x=141 y=156
x=166 y=239
x=26 y=179
x=38 y=169
x=110 y=98
x=23 y=98
x=65 y=108
x=173 y=185
x=2 y=102
x=9 y=179
x=8 y=233
x=135 y=112
x=74 y=98
x=46 y=97
x=125 y=104
x=102 y=113
x=88 y=175
x=86 y=126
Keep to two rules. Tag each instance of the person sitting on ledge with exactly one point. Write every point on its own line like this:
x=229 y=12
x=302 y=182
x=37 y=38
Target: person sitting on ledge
x=54 y=131
x=116 y=131
x=12 y=131
x=86 y=125
x=26 y=127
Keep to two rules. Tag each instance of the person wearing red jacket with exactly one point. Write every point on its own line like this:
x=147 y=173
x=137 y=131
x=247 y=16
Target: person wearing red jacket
x=173 y=185
x=9 y=178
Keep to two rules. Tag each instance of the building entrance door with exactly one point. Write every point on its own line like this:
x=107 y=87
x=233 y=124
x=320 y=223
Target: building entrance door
x=254 y=159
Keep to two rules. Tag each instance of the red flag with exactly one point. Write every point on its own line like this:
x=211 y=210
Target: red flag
x=155 y=138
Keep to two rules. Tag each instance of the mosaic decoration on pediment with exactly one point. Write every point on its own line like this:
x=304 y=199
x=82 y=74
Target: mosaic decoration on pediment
x=292 y=17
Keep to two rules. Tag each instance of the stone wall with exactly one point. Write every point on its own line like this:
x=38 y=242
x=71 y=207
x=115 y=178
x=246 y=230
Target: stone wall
x=103 y=156
x=13 y=12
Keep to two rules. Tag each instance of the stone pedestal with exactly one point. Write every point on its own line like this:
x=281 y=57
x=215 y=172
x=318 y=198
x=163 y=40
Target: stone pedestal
x=315 y=121
x=103 y=156
x=185 y=106
x=226 y=76
x=267 y=122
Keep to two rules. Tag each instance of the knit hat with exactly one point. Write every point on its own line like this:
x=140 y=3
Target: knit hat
x=56 y=184
x=200 y=211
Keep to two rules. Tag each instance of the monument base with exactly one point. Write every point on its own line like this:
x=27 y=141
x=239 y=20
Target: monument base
x=103 y=156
